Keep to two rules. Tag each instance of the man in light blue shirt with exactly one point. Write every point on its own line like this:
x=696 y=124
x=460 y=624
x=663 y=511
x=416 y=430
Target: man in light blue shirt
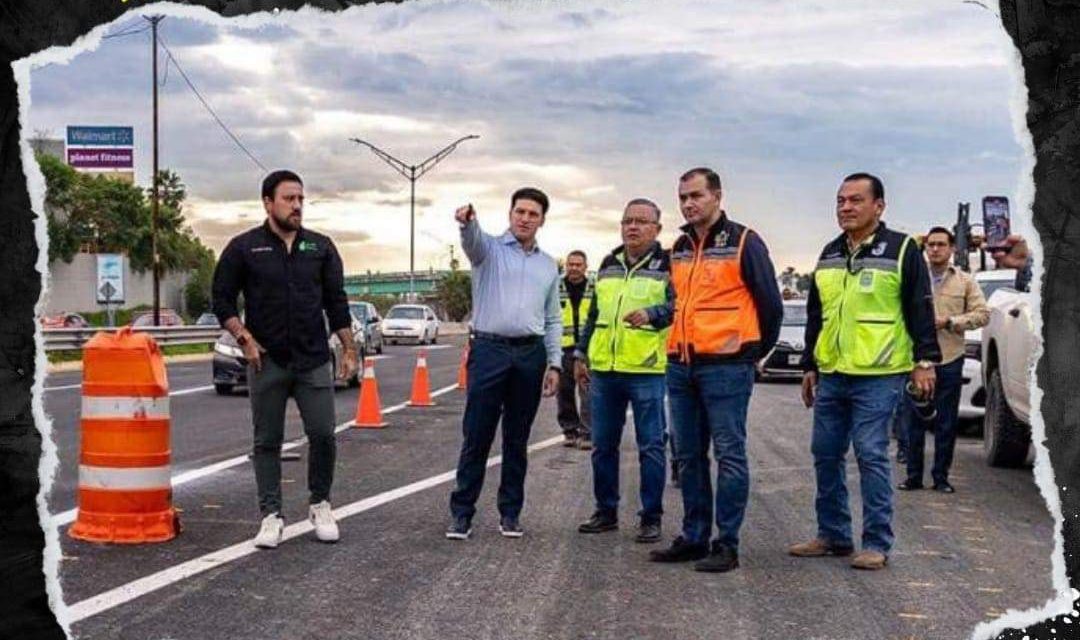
x=515 y=355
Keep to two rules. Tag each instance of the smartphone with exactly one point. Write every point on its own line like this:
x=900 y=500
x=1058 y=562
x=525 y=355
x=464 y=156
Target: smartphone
x=996 y=221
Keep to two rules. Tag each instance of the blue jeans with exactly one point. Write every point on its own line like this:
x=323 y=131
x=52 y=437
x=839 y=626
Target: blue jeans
x=609 y=396
x=504 y=381
x=708 y=411
x=950 y=377
x=854 y=412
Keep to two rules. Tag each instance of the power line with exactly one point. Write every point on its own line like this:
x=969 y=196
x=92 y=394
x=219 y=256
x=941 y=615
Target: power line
x=129 y=32
x=209 y=109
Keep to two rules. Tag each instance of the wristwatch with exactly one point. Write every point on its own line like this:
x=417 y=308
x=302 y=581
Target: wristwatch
x=242 y=339
x=924 y=364
x=949 y=324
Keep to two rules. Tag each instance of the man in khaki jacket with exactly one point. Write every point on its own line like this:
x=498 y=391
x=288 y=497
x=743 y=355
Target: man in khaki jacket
x=959 y=306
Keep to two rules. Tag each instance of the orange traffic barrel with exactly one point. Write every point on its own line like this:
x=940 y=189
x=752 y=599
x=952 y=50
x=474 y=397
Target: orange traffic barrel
x=125 y=490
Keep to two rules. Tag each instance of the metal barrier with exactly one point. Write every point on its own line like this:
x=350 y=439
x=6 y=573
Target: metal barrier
x=69 y=339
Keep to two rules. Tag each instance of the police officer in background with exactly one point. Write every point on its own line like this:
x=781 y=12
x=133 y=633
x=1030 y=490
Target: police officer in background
x=575 y=298
x=869 y=330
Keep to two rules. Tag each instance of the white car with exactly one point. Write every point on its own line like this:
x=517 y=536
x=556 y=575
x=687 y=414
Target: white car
x=1008 y=343
x=412 y=322
x=784 y=361
x=973 y=394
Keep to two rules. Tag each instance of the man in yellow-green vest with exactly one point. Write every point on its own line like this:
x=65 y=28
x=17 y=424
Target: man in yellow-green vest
x=575 y=296
x=621 y=357
x=869 y=334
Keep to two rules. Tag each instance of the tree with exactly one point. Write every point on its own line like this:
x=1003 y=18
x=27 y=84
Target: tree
x=197 y=292
x=454 y=293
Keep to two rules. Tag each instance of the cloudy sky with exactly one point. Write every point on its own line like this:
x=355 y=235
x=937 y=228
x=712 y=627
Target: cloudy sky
x=594 y=102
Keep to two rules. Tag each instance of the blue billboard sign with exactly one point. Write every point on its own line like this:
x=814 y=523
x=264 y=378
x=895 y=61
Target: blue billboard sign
x=101 y=136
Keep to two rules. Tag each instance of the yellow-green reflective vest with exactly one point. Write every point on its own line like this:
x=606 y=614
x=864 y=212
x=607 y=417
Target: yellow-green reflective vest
x=568 y=337
x=616 y=345
x=863 y=330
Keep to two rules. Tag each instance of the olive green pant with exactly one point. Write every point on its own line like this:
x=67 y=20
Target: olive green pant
x=313 y=391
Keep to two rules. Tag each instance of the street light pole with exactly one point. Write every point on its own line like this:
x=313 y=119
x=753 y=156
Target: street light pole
x=412 y=173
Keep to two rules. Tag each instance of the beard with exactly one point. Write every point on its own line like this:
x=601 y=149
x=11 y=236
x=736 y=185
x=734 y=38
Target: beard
x=288 y=222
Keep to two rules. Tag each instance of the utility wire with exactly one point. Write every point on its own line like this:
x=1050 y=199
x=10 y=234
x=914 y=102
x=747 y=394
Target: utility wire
x=206 y=104
x=129 y=32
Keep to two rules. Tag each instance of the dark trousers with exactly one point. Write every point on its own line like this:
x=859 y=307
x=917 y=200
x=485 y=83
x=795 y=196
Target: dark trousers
x=572 y=420
x=504 y=381
x=269 y=391
x=950 y=377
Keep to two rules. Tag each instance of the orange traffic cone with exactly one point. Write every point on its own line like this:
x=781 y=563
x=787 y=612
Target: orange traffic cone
x=463 y=368
x=421 y=389
x=369 y=410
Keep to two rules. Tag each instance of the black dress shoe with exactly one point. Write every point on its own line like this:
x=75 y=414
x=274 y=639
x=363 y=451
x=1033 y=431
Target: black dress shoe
x=909 y=485
x=721 y=559
x=944 y=487
x=680 y=551
x=598 y=523
x=648 y=532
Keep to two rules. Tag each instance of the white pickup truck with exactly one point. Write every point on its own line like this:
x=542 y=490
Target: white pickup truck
x=1008 y=343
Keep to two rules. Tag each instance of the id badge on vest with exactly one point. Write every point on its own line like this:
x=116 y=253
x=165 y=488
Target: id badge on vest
x=866 y=281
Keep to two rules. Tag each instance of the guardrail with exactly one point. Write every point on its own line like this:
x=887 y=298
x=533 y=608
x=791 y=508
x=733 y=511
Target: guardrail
x=68 y=339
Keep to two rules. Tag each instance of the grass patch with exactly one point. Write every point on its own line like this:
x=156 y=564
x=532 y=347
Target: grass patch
x=75 y=355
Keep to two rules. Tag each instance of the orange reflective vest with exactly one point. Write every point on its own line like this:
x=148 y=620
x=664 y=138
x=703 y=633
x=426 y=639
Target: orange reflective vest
x=715 y=315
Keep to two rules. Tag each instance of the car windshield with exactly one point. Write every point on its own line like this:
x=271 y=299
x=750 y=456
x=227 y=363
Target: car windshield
x=359 y=310
x=990 y=286
x=405 y=313
x=794 y=315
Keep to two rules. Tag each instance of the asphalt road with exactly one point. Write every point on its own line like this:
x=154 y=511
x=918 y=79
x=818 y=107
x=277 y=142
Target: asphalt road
x=959 y=559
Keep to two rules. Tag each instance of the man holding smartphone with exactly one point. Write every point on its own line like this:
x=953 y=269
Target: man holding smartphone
x=515 y=355
x=289 y=276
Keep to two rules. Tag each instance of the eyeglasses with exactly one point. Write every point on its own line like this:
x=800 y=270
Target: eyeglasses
x=637 y=222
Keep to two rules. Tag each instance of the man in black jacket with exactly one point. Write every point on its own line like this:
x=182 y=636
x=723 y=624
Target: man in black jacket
x=289 y=277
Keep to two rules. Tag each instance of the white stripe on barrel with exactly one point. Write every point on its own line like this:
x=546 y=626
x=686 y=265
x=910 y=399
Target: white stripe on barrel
x=123 y=479
x=125 y=407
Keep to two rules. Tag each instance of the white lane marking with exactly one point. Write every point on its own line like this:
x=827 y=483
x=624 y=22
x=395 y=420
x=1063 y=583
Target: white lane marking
x=67 y=517
x=433 y=347
x=138 y=588
x=66 y=386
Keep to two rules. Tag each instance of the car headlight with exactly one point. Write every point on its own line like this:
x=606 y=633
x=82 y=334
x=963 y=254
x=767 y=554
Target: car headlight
x=973 y=350
x=228 y=350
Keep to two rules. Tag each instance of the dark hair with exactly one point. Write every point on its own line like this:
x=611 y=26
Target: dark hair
x=711 y=177
x=531 y=193
x=948 y=234
x=646 y=202
x=577 y=252
x=875 y=183
x=271 y=181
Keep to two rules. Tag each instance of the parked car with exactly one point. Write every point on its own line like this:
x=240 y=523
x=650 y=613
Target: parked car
x=1008 y=343
x=207 y=320
x=973 y=393
x=415 y=322
x=64 y=320
x=167 y=317
x=784 y=360
x=230 y=365
x=367 y=325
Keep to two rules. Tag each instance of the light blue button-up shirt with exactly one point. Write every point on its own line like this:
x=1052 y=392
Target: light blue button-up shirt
x=514 y=292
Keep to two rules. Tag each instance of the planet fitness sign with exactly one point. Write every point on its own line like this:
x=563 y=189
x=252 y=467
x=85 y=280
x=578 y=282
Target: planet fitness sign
x=101 y=147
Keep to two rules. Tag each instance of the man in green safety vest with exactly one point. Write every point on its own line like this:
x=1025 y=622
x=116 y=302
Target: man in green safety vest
x=622 y=357
x=575 y=298
x=869 y=331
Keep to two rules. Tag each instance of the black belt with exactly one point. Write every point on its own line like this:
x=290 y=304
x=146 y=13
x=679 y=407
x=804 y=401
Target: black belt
x=510 y=340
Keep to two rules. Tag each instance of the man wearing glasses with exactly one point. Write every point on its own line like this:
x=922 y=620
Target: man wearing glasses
x=869 y=329
x=727 y=317
x=621 y=357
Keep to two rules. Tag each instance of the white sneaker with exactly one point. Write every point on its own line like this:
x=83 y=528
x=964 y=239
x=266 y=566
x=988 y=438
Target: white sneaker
x=270 y=532
x=326 y=528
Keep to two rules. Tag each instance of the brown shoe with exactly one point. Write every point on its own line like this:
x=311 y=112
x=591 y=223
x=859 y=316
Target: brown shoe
x=570 y=440
x=869 y=560
x=585 y=444
x=817 y=548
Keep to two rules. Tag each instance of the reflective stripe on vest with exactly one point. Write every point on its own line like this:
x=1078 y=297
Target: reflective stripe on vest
x=568 y=339
x=616 y=345
x=863 y=330
x=715 y=312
